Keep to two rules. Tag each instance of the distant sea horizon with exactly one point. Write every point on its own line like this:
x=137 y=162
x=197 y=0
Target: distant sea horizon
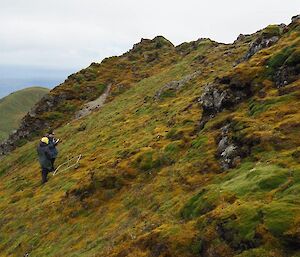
x=16 y=78
x=7 y=90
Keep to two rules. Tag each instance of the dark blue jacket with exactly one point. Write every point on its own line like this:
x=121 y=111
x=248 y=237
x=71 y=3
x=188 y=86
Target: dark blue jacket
x=44 y=154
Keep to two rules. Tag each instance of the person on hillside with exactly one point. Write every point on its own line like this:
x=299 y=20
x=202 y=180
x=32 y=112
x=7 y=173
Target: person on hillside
x=44 y=155
x=52 y=146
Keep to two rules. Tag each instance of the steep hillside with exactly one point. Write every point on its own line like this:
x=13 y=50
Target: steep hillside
x=196 y=152
x=119 y=73
x=14 y=106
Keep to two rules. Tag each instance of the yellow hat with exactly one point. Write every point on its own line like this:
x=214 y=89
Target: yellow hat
x=45 y=140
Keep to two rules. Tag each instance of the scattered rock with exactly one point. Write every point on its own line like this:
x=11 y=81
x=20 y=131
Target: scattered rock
x=174 y=86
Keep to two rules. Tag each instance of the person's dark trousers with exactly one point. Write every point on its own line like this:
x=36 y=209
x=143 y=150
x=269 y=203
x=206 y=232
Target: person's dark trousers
x=44 y=175
x=52 y=162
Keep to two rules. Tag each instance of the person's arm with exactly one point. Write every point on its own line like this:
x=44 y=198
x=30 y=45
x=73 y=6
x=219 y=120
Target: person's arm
x=55 y=141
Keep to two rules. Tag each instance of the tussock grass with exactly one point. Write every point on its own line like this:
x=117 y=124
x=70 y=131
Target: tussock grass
x=147 y=185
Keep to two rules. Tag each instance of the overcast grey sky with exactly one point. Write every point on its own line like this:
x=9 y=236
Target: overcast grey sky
x=62 y=36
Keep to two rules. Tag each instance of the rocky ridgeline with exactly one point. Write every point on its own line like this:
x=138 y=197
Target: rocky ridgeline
x=265 y=38
x=188 y=47
x=83 y=86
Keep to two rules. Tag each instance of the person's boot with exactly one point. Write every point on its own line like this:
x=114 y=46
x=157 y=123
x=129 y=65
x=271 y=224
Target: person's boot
x=44 y=182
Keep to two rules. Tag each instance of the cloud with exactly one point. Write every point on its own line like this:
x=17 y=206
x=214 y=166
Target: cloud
x=70 y=34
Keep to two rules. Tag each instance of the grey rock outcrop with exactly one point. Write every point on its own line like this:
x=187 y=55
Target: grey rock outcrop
x=213 y=100
x=233 y=144
x=227 y=151
x=175 y=85
x=259 y=44
x=220 y=95
x=285 y=75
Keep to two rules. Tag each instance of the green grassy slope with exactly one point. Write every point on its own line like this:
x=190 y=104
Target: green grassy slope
x=150 y=183
x=14 y=106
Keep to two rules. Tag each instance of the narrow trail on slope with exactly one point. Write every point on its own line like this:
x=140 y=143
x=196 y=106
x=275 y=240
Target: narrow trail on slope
x=93 y=105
